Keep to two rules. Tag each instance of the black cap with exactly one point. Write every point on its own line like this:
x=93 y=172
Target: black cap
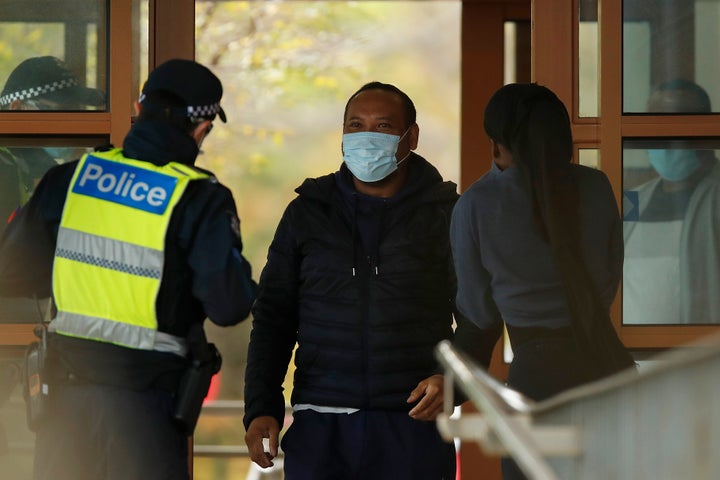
x=194 y=83
x=48 y=77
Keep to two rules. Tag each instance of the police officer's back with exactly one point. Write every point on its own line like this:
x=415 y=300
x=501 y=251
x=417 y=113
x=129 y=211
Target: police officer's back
x=137 y=247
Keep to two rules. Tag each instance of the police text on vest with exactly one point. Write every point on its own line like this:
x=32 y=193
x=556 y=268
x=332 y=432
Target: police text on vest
x=125 y=184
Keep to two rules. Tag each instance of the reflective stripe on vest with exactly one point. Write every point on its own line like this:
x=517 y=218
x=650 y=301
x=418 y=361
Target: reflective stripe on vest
x=107 y=271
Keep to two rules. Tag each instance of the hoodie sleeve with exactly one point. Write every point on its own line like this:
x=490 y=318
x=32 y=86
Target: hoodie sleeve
x=275 y=323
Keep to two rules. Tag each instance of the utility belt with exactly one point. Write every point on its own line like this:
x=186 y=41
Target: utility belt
x=189 y=388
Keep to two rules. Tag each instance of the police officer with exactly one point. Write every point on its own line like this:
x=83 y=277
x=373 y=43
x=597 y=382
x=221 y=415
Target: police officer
x=137 y=247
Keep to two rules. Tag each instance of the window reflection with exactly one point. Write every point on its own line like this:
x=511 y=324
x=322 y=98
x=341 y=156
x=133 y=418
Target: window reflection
x=58 y=59
x=47 y=83
x=22 y=167
x=665 y=40
x=671 y=228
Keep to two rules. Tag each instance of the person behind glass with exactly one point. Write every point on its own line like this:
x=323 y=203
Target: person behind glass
x=137 y=246
x=537 y=244
x=359 y=275
x=673 y=240
x=37 y=83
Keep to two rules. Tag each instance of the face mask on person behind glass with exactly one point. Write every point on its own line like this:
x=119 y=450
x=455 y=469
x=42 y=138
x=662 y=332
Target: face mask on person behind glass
x=64 y=154
x=674 y=164
x=370 y=156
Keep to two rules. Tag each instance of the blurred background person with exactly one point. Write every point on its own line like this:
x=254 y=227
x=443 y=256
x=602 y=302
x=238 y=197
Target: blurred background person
x=672 y=262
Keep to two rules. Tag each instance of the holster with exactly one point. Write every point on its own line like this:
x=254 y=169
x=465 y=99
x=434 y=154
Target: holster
x=205 y=361
x=35 y=388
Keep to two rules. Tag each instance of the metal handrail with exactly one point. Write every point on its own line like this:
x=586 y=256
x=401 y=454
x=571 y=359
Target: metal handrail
x=501 y=407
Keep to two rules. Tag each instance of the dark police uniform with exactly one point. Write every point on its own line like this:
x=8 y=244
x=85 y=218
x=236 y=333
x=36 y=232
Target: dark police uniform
x=110 y=405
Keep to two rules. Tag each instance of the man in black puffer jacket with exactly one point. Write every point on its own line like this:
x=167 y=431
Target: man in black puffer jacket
x=359 y=276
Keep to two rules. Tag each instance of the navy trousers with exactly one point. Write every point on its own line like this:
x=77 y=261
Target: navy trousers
x=378 y=445
x=99 y=432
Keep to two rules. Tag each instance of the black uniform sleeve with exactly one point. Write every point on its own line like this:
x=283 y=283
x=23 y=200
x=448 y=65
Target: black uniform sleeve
x=275 y=323
x=222 y=277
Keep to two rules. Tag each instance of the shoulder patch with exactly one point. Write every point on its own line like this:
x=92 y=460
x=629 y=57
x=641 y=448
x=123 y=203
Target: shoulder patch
x=234 y=224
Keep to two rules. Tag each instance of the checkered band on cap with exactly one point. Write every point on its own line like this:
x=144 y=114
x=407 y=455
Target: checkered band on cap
x=203 y=110
x=32 y=92
x=195 y=111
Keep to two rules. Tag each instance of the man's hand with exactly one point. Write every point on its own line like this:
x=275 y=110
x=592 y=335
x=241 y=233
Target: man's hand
x=262 y=427
x=430 y=394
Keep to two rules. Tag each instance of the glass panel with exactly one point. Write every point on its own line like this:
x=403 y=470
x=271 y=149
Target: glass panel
x=671 y=226
x=140 y=39
x=509 y=60
x=58 y=55
x=287 y=70
x=588 y=58
x=666 y=42
x=16 y=440
x=516 y=52
x=590 y=157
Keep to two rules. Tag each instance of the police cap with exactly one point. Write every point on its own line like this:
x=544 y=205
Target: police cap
x=194 y=83
x=48 y=77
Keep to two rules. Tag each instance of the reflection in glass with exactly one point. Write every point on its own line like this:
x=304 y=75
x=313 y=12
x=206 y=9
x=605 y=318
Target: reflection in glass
x=671 y=226
x=669 y=40
x=22 y=167
x=58 y=60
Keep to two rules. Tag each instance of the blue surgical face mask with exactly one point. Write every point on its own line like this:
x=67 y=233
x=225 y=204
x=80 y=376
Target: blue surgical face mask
x=370 y=156
x=56 y=152
x=674 y=165
x=65 y=154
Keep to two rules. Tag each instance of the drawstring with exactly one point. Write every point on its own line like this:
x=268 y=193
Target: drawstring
x=374 y=257
x=376 y=253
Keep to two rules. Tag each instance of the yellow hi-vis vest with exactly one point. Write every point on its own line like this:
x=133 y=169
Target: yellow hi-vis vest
x=110 y=250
